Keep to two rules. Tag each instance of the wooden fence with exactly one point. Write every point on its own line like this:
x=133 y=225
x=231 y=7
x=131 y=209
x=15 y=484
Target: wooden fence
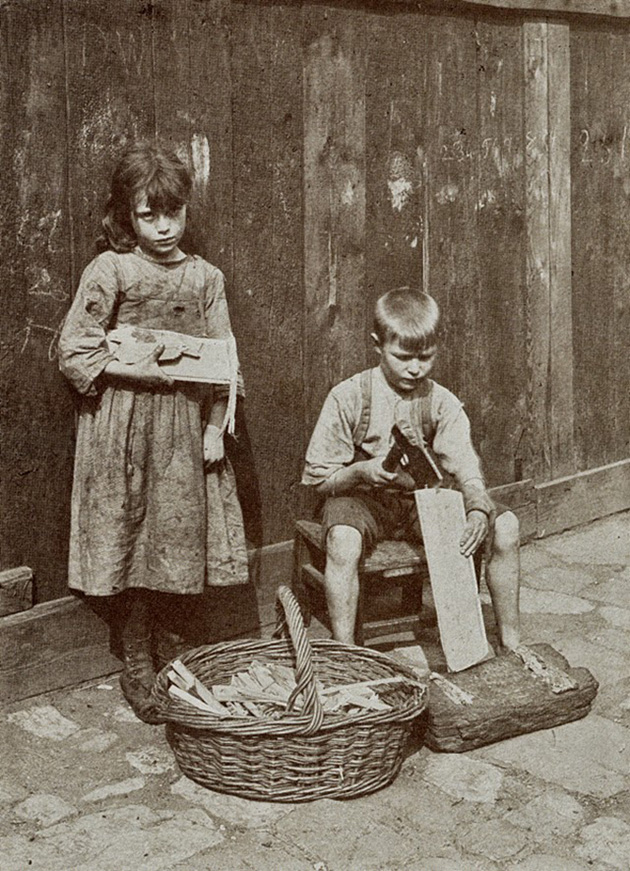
x=338 y=149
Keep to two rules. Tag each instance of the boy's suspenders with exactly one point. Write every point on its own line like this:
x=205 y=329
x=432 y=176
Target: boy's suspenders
x=420 y=410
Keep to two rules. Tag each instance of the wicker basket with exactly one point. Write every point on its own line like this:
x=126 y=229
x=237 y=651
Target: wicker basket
x=302 y=755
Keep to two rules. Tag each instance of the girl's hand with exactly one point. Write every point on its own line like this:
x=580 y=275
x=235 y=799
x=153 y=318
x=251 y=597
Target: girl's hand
x=474 y=533
x=213 y=447
x=373 y=473
x=145 y=371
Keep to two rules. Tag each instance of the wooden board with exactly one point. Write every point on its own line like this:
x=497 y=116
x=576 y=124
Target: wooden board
x=453 y=580
x=334 y=200
x=600 y=172
x=500 y=381
x=548 y=258
x=54 y=645
x=396 y=157
x=16 y=590
x=581 y=498
x=267 y=300
x=36 y=416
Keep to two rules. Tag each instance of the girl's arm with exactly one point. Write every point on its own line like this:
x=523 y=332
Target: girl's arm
x=218 y=323
x=213 y=447
x=145 y=371
x=83 y=351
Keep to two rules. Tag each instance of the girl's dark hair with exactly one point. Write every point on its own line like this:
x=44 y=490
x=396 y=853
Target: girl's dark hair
x=143 y=168
x=411 y=316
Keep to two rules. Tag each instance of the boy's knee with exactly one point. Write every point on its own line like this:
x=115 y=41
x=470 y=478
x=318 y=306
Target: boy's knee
x=344 y=544
x=506 y=532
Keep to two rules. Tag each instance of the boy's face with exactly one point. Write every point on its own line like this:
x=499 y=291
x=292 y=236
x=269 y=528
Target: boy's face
x=404 y=370
x=158 y=233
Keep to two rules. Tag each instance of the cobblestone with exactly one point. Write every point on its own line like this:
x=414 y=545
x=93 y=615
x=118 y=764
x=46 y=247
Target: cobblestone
x=87 y=787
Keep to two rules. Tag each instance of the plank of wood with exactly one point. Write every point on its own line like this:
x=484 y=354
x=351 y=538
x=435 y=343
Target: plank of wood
x=453 y=580
x=267 y=298
x=36 y=411
x=561 y=362
x=105 y=113
x=537 y=275
x=602 y=8
x=16 y=590
x=395 y=153
x=601 y=249
x=577 y=499
x=614 y=8
x=548 y=272
x=500 y=418
x=334 y=334
x=451 y=254
x=54 y=645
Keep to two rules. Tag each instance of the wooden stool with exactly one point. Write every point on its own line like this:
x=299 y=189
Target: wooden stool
x=392 y=564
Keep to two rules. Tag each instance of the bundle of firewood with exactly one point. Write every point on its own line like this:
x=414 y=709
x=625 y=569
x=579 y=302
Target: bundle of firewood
x=264 y=690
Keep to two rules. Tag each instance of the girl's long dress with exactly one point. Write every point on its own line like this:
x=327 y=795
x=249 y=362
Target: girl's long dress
x=145 y=513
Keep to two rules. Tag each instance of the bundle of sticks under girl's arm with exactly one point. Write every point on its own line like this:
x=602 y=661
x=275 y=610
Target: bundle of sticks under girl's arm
x=264 y=690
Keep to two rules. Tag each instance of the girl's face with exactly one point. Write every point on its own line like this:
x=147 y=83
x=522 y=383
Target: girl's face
x=158 y=233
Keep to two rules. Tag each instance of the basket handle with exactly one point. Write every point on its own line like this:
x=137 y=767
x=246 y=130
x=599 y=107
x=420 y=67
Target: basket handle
x=290 y=616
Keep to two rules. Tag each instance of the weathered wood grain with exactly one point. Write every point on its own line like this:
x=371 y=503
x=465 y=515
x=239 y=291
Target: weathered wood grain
x=16 y=590
x=548 y=260
x=615 y=8
x=267 y=299
x=210 y=105
x=36 y=409
x=604 y=8
x=499 y=236
x=536 y=103
x=396 y=157
x=55 y=644
x=453 y=580
x=452 y=261
x=109 y=82
x=334 y=201
x=600 y=169
x=561 y=395
x=580 y=498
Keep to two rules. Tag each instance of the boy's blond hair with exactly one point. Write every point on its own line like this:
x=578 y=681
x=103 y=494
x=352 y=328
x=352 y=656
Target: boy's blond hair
x=411 y=316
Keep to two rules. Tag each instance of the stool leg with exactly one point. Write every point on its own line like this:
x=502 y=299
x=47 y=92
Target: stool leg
x=412 y=595
x=359 y=634
x=301 y=590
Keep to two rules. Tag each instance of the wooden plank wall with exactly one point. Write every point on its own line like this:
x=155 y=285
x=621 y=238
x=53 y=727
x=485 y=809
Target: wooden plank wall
x=338 y=150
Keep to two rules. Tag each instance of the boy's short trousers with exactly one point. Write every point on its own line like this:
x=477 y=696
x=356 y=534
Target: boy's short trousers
x=377 y=515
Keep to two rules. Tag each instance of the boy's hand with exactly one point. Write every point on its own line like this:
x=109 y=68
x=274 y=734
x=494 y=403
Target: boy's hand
x=213 y=447
x=373 y=473
x=405 y=481
x=474 y=533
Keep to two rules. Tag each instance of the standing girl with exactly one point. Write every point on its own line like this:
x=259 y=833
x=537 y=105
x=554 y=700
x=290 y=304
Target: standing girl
x=155 y=516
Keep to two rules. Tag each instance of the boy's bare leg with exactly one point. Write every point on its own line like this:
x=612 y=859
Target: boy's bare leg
x=503 y=579
x=341 y=579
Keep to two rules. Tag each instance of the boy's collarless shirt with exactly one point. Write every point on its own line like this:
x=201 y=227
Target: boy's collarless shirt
x=332 y=443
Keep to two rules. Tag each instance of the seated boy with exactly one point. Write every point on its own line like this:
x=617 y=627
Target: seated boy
x=364 y=503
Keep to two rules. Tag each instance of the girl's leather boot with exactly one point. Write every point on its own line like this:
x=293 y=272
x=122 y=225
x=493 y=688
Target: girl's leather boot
x=138 y=676
x=169 y=622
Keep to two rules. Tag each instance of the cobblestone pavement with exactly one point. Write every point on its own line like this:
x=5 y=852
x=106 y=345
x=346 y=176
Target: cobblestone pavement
x=84 y=786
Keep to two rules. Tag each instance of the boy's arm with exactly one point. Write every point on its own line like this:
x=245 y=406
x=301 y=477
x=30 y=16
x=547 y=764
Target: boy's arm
x=330 y=459
x=362 y=473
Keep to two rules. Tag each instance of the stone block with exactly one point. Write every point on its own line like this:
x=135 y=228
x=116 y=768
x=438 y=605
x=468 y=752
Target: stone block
x=44 y=809
x=589 y=756
x=464 y=778
x=44 y=721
